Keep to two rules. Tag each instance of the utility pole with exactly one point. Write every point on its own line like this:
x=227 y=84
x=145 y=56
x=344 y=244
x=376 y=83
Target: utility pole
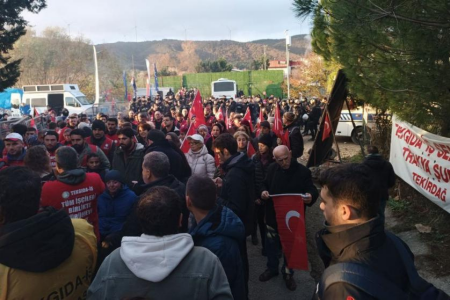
x=265 y=59
x=288 y=43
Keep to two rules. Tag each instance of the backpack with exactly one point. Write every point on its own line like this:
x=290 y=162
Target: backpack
x=375 y=284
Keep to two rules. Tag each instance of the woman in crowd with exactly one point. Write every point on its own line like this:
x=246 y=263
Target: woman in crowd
x=37 y=159
x=242 y=140
x=173 y=137
x=199 y=160
x=143 y=130
x=216 y=130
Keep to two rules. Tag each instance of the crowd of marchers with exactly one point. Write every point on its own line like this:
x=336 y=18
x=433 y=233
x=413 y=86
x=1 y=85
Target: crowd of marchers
x=114 y=208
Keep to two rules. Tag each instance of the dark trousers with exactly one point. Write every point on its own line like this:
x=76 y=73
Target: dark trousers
x=260 y=212
x=273 y=250
x=245 y=265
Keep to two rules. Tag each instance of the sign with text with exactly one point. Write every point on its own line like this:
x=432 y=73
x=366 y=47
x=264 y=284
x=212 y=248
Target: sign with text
x=422 y=160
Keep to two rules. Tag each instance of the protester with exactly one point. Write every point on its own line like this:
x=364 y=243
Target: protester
x=99 y=139
x=160 y=262
x=295 y=136
x=73 y=189
x=77 y=137
x=37 y=160
x=114 y=205
x=173 y=137
x=93 y=165
x=216 y=130
x=242 y=140
x=143 y=130
x=384 y=175
x=237 y=186
x=287 y=176
x=51 y=144
x=218 y=229
x=43 y=254
x=199 y=160
x=111 y=125
x=128 y=157
x=353 y=232
x=15 y=151
x=71 y=124
x=169 y=125
x=265 y=129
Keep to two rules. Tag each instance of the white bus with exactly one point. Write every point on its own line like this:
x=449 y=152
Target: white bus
x=224 y=88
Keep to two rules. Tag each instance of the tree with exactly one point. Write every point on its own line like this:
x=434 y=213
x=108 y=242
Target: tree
x=394 y=54
x=220 y=65
x=12 y=27
x=165 y=72
x=258 y=64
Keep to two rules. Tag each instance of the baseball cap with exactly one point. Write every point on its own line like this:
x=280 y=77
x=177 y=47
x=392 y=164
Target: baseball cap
x=196 y=137
x=14 y=137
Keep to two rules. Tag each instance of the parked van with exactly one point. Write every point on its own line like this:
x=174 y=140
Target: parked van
x=57 y=96
x=224 y=87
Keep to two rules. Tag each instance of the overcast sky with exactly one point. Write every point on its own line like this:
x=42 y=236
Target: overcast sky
x=109 y=21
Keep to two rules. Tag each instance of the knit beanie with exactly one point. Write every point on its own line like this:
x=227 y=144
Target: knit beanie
x=98 y=124
x=265 y=139
x=155 y=135
x=114 y=175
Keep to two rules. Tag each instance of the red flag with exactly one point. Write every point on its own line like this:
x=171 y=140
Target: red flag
x=219 y=115
x=197 y=111
x=258 y=126
x=278 y=128
x=185 y=145
x=326 y=127
x=248 y=117
x=250 y=149
x=36 y=113
x=290 y=213
x=285 y=139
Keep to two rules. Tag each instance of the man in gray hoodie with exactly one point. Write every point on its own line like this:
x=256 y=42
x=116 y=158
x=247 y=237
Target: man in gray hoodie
x=161 y=263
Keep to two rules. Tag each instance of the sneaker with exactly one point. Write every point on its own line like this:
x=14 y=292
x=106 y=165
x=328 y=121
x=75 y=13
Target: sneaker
x=254 y=240
x=290 y=282
x=267 y=275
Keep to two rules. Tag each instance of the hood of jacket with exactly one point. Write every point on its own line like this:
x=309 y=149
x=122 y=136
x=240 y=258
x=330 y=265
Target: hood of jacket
x=72 y=177
x=241 y=161
x=39 y=243
x=220 y=221
x=158 y=145
x=139 y=146
x=169 y=181
x=375 y=161
x=153 y=258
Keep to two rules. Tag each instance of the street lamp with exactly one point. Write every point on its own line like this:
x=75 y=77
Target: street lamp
x=288 y=43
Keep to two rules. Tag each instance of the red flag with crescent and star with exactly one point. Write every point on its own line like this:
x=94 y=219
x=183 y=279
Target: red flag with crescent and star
x=326 y=127
x=290 y=213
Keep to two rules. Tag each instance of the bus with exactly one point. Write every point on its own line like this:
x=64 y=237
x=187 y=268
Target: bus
x=224 y=88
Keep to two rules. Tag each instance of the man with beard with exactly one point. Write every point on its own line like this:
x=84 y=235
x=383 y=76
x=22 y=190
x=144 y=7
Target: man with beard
x=209 y=117
x=128 y=157
x=51 y=144
x=99 y=139
x=15 y=151
x=73 y=190
x=111 y=125
x=83 y=149
x=169 y=125
x=72 y=124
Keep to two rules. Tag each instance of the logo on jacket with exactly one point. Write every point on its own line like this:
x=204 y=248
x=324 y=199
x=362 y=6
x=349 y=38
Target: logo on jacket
x=65 y=195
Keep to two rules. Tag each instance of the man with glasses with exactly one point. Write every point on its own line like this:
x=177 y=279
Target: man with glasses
x=286 y=176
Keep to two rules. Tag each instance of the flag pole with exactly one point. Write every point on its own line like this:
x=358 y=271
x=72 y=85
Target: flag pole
x=332 y=132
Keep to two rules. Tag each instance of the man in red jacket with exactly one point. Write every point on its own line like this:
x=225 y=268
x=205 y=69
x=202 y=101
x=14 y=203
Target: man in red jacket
x=15 y=151
x=51 y=144
x=74 y=190
x=99 y=139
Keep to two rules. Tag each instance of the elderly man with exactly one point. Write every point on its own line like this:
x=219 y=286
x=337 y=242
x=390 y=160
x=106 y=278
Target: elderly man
x=286 y=176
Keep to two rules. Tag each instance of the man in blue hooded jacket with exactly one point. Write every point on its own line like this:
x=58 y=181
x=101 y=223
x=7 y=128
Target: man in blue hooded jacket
x=218 y=229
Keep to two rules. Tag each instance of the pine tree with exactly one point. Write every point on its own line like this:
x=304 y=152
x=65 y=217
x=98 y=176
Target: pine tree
x=395 y=53
x=12 y=27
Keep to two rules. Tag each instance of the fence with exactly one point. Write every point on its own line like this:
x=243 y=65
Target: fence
x=250 y=82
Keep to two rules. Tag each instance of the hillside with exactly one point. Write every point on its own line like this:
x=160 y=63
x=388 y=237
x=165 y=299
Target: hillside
x=183 y=56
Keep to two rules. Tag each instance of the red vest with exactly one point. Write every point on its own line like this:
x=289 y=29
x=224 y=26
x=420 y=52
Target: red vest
x=114 y=138
x=105 y=146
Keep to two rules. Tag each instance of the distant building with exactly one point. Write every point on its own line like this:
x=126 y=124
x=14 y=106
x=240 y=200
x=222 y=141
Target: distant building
x=282 y=65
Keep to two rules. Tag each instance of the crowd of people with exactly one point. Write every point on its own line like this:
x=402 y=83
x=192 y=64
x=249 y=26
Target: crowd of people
x=113 y=208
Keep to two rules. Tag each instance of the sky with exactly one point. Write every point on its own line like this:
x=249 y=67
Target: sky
x=109 y=21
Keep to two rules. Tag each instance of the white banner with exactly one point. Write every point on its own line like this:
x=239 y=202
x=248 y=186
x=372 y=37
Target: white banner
x=422 y=160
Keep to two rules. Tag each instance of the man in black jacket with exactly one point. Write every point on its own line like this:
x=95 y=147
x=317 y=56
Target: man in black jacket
x=286 y=176
x=353 y=232
x=237 y=186
x=384 y=173
x=295 y=136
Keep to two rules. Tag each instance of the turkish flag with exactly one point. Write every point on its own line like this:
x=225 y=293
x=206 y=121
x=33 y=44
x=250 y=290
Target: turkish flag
x=290 y=212
x=278 y=128
x=248 y=117
x=197 y=111
x=185 y=145
x=326 y=127
x=250 y=149
x=258 y=126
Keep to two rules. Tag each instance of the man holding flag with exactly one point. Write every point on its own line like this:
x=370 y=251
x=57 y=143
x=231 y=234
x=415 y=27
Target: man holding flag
x=286 y=176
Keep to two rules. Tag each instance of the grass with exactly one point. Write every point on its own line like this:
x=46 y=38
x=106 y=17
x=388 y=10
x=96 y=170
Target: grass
x=357 y=158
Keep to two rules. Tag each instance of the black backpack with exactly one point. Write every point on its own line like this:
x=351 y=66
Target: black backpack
x=375 y=284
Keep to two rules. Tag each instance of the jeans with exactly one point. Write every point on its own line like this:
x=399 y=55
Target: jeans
x=273 y=249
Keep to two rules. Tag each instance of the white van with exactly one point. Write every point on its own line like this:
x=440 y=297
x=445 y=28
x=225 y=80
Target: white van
x=57 y=96
x=224 y=87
